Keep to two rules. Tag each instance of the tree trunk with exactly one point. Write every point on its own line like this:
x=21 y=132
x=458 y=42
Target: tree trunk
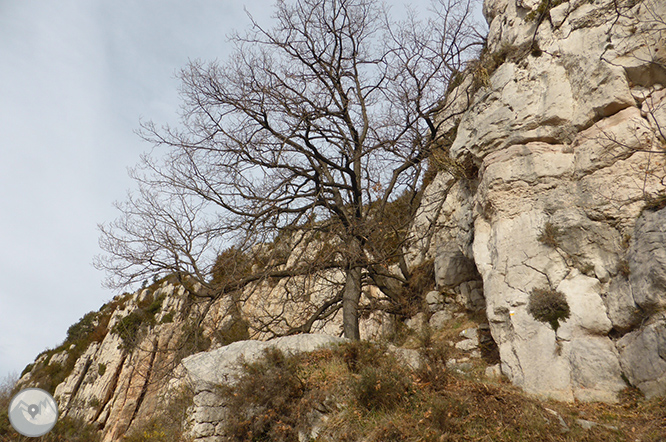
x=350 y=299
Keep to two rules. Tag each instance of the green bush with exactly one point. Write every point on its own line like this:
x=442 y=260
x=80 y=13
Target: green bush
x=129 y=327
x=82 y=328
x=549 y=306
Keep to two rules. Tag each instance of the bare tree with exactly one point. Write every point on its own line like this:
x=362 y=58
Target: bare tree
x=320 y=124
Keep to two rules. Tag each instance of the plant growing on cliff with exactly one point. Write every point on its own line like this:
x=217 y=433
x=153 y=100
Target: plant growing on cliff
x=316 y=125
x=550 y=235
x=549 y=306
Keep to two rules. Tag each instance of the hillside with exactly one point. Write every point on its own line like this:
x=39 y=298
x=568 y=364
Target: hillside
x=537 y=276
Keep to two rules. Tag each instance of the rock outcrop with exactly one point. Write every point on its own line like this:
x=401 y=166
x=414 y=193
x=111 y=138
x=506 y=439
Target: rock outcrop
x=562 y=150
x=207 y=370
x=567 y=134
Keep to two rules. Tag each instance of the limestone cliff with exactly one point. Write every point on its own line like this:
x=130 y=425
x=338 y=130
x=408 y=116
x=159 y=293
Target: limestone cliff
x=555 y=184
x=567 y=134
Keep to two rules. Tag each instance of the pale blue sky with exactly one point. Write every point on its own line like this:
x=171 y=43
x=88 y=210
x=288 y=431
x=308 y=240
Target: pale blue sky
x=76 y=77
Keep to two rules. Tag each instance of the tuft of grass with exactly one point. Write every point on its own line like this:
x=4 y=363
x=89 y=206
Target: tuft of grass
x=550 y=235
x=623 y=268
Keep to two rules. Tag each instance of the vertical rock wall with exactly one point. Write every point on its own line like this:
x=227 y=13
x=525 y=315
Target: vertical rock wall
x=567 y=134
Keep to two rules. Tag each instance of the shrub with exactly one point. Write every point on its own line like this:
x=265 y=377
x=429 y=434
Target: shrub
x=381 y=388
x=129 y=327
x=101 y=369
x=359 y=354
x=550 y=235
x=549 y=306
x=192 y=340
x=82 y=328
x=167 y=318
x=267 y=400
x=542 y=10
x=236 y=330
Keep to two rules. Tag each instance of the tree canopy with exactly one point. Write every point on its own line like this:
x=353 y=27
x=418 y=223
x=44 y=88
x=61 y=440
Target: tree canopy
x=321 y=125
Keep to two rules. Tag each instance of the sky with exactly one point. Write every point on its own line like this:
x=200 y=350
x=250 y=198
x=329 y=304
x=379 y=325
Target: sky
x=76 y=79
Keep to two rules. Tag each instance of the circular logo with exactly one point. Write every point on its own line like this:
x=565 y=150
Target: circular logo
x=33 y=412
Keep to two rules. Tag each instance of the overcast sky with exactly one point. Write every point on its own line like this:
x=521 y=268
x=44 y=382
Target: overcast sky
x=76 y=77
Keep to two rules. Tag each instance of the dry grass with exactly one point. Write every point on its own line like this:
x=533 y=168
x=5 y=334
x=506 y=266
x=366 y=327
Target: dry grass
x=366 y=395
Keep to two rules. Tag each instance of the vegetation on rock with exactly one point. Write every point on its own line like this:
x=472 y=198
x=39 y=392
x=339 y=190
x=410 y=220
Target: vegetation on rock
x=549 y=306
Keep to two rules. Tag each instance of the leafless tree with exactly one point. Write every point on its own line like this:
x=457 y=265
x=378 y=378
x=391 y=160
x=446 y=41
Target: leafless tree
x=321 y=124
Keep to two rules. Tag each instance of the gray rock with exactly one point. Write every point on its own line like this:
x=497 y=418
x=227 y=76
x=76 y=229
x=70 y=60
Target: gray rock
x=208 y=369
x=588 y=425
x=471 y=333
x=595 y=370
x=409 y=357
x=207 y=399
x=439 y=319
x=622 y=310
x=203 y=430
x=416 y=322
x=467 y=344
x=643 y=357
x=452 y=267
x=211 y=415
x=494 y=371
x=434 y=300
x=647 y=261
x=564 y=428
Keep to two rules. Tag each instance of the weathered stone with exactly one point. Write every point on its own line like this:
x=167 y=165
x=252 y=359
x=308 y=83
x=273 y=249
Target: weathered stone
x=452 y=267
x=409 y=357
x=596 y=373
x=494 y=371
x=207 y=369
x=434 y=300
x=439 y=319
x=622 y=310
x=467 y=344
x=416 y=322
x=207 y=399
x=587 y=308
x=471 y=333
x=643 y=357
x=203 y=430
x=647 y=261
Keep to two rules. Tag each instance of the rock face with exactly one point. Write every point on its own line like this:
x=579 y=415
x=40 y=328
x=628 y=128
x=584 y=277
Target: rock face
x=568 y=137
x=563 y=145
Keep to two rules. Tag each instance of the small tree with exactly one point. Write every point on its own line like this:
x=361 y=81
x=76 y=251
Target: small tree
x=316 y=126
